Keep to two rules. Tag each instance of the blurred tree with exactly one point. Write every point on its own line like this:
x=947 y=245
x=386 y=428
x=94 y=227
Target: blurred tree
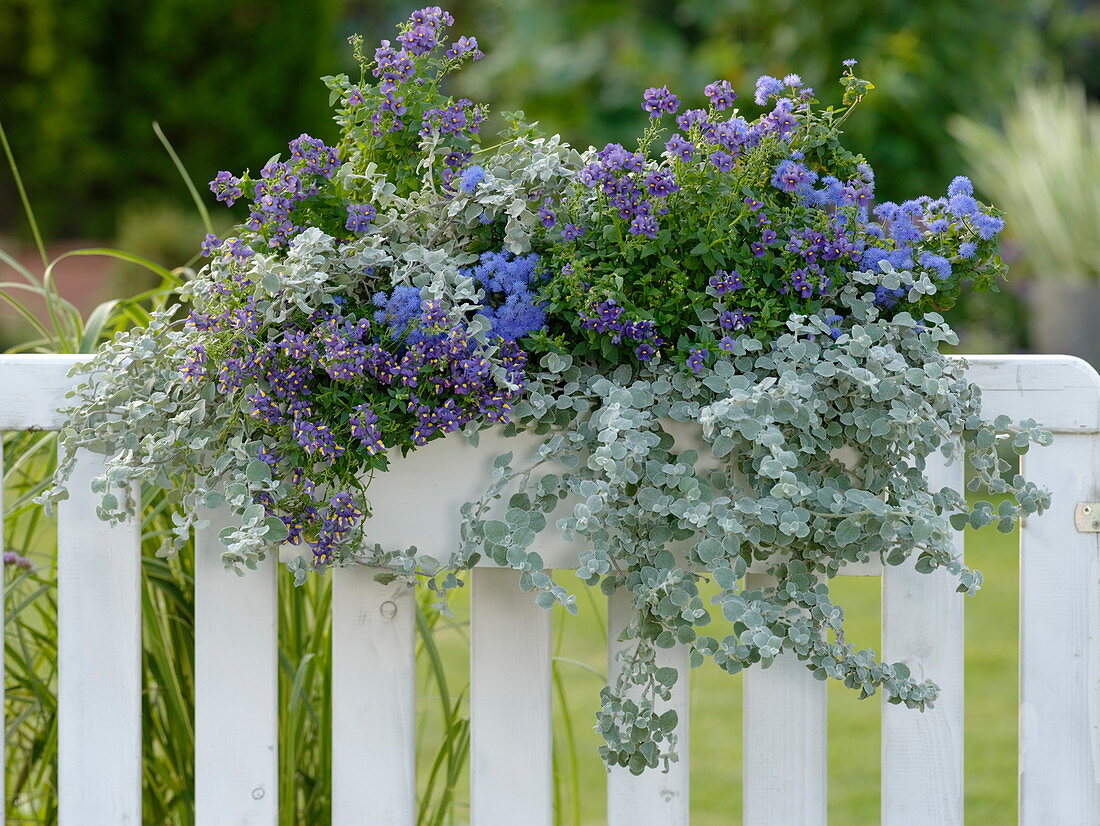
x=232 y=80
x=229 y=80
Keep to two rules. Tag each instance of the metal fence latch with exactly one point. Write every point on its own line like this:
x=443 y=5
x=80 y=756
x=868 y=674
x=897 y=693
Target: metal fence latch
x=1087 y=517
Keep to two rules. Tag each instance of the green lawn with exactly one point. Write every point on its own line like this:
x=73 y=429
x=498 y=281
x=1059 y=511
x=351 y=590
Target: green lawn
x=991 y=663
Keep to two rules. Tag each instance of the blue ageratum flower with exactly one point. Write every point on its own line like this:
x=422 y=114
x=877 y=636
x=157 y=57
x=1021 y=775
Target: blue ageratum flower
x=471 y=177
x=510 y=307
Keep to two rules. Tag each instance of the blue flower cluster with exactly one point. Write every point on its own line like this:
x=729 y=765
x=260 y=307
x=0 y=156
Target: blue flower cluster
x=511 y=306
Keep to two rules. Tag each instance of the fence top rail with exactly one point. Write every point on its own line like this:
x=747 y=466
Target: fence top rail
x=1062 y=393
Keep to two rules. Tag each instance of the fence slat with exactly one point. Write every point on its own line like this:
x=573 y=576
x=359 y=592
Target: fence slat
x=653 y=798
x=510 y=753
x=373 y=669
x=785 y=759
x=922 y=626
x=236 y=688
x=1060 y=640
x=99 y=659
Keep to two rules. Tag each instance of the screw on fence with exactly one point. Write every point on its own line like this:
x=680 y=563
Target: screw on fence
x=1087 y=517
x=388 y=609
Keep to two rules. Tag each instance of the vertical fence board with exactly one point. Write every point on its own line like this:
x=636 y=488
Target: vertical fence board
x=785 y=757
x=236 y=688
x=922 y=626
x=373 y=700
x=511 y=777
x=1059 y=644
x=99 y=659
x=654 y=798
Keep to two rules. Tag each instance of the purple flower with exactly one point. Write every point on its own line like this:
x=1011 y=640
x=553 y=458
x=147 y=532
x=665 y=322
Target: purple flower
x=14 y=560
x=690 y=118
x=364 y=428
x=721 y=94
x=433 y=17
x=766 y=87
x=661 y=183
x=419 y=40
x=727 y=344
x=360 y=217
x=790 y=176
x=850 y=62
x=793 y=81
x=676 y=146
x=967 y=249
x=696 y=358
x=800 y=283
x=768 y=236
x=726 y=282
x=645 y=352
x=239 y=250
x=571 y=232
x=723 y=160
x=734 y=320
x=758 y=249
x=644 y=225
x=355 y=97
x=209 y=244
x=226 y=188
x=465 y=45
x=319 y=159
x=547 y=215
x=658 y=101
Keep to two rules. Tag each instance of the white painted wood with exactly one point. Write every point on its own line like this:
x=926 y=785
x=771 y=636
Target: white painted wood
x=236 y=695
x=99 y=659
x=236 y=688
x=922 y=626
x=34 y=387
x=1061 y=392
x=785 y=755
x=654 y=798
x=511 y=779
x=373 y=700
x=1060 y=640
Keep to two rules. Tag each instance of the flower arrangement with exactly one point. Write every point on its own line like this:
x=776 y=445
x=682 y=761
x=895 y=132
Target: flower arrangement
x=731 y=273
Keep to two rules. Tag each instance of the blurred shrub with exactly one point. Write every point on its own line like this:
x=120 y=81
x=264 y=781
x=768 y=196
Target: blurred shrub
x=1043 y=168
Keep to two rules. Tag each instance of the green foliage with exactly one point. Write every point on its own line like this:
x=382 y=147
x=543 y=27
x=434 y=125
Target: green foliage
x=800 y=458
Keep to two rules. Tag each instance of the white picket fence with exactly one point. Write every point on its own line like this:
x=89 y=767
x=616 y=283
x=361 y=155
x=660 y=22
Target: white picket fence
x=511 y=773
